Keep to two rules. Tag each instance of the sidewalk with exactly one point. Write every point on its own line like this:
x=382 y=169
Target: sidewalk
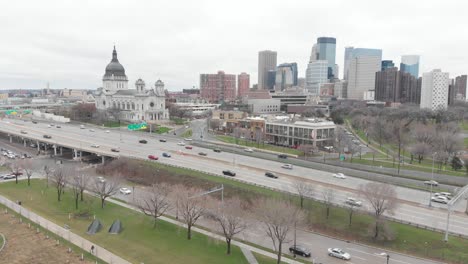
x=100 y=252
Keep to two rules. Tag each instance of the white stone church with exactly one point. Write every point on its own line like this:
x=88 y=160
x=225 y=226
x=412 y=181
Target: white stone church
x=135 y=104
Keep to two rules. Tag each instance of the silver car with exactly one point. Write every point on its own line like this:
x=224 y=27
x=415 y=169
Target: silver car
x=338 y=253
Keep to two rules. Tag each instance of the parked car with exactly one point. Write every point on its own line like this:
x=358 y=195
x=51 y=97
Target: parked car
x=166 y=155
x=188 y=147
x=162 y=140
x=433 y=183
x=181 y=144
x=338 y=253
x=143 y=141
x=287 y=166
x=101 y=179
x=248 y=150
x=125 y=190
x=353 y=202
x=8 y=176
x=95 y=146
x=217 y=150
x=271 y=175
x=202 y=153
x=440 y=199
x=299 y=250
x=444 y=194
x=47 y=136
x=23 y=132
x=229 y=173
x=282 y=156
x=152 y=157
x=339 y=175
x=115 y=150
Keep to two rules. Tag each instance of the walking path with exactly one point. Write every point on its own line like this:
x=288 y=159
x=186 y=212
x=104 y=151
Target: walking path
x=249 y=256
x=99 y=252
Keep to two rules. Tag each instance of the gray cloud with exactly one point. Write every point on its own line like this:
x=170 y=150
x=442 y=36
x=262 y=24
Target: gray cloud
x=69 y=43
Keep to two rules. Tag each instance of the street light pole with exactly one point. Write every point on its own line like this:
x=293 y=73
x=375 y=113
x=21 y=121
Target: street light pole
x=432 y=178
x=294 y=252
x=388 y=258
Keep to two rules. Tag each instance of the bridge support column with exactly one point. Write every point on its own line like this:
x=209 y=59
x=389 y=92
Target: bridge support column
x=11 y=139
x=81 y=154
x=75 y=153
x=61 y=151
x=24 y=142
x=103 y=159
x=55 y=150
x=38 y=146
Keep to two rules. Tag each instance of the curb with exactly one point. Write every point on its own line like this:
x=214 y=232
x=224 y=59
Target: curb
x=4 y=242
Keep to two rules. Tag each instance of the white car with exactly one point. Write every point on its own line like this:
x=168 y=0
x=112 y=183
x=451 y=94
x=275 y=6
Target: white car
x=101 y=179
x=338 y=253
x=433 y=183
x=181 y=143
x=339 y=175
x=444 y=194
x=95 y=146
x=91 y=130
x=187 y=139
x=440 y=199
x=287 y=166
x=107 y=131
x=353 y=202
x=248 y=150
x=125 y=191
x=8 y=176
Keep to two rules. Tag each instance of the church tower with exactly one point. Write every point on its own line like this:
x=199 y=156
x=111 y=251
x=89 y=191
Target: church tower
x=140 y=86
x=159 y=88
x=114 y=78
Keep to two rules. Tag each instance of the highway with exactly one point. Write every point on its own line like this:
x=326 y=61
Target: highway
x=413 y=203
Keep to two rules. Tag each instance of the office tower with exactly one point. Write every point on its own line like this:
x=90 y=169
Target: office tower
x=460 y=86
x=410 y=64
x=266 y=62
x=451 y=92
x=363 y=65
x=326 y=50
x=351 y=52
x=218 y=88
x=316 y=75
x=286 y=76
x=434 y=90
x=394 y=86
x=243 y=84
x=313 y=53
x=271 y=80
x=387 y=64
x=341 y=89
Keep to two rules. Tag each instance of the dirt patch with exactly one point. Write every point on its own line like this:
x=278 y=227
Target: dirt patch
x=24 y=245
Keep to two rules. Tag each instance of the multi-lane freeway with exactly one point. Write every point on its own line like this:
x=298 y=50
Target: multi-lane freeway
x=413 y=204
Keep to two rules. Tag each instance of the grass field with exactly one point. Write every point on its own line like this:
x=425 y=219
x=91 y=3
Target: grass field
x=138 y=243
x=187 y=133
x=464 y=126
x=407 y=238
x=242 y=142
x=264 y=259
x=178 y=121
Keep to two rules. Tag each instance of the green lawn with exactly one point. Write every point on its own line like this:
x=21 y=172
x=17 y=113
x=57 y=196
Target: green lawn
x=407 y=238
x=114 y=124
x=187 y=133
x=464 y=126
x=178 y=121
x=264 y=259
x=465 y=140
x=162 y=130
x=138 y=243
x=242 y=142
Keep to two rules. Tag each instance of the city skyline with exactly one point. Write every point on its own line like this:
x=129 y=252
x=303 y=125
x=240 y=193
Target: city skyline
x=68 y=44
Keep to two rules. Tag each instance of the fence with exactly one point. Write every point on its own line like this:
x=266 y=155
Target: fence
x=99 y=252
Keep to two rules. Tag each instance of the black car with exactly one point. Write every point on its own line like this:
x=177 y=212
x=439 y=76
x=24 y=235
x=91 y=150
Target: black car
x=299 y=250
x=229 y=173
x=166 y=155
x=143 y=141
x=162 y=140
x=271 y=175
x=47 y=136
x=115 y=150
x=34 y=122
x=202 y=153
x=217 y=150
x=282 y=156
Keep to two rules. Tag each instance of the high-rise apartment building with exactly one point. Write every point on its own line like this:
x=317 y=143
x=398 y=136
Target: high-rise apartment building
x=410 y=64
x=326 y=50
x=460 y=86
x=387 y=64
x=217 y=88
x=392 y=85
x=243 y=84
x=351 y=52
x=361 y=72
x=266 y=62
x=452 y=92
x=435 y=90
x=316 y=75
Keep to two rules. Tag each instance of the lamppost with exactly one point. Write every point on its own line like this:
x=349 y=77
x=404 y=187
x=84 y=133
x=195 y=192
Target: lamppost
x=432 y=179
x=388 y=258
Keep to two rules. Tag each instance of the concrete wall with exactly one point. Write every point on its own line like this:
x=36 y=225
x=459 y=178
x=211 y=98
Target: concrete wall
x=51 y=117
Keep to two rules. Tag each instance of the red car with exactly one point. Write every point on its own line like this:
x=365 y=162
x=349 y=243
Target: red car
x=152 y=157
x=188 y=147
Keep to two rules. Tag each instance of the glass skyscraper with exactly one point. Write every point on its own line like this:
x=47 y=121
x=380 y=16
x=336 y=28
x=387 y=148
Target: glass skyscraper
x=326 y=50
x=387 y=64
x=351 y=53
x=410 y=64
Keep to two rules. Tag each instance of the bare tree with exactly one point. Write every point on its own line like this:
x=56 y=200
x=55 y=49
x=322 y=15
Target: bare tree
x=47 y=173
x=378 y=130
x=215 y=124
x=82 y=181
x=351 y=208
x=340 y=140
x=15 y=169
x=106 y=188
x=382 y=197
x=230 y=217
x=420 y=150
x=177 y=194
x=78 y=183
x=278 y=218
x=27 y=169
x=304 y=190
x=155 y=201
x=328 y=198
x=59 y=179
x=192 y=207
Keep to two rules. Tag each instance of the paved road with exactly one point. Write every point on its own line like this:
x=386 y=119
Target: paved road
x=250 y=169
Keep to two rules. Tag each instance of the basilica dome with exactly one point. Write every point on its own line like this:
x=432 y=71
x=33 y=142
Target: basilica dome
x=114 y=67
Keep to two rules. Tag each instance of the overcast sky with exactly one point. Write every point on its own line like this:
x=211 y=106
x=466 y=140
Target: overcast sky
x=69 y=43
